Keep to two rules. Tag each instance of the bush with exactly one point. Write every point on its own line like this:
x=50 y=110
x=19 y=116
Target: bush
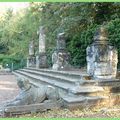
x=114 y=35
x=16 y=61
x=78 y=44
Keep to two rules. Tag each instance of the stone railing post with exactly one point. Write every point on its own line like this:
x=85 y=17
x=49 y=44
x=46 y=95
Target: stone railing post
x=31 y=58
x=101 y=57
x=60 y=57
x=41 y=58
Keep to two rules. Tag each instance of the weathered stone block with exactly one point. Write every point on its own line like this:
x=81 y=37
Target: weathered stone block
x=41 y=60
x=31 y=61
x=31 y=48
x=60 y=57
x=42 y=42
x=101 y=57
x=60 y=60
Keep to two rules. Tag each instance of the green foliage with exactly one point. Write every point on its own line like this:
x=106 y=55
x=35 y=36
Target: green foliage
x=78 y=20
x=114 y=35
x=78 y=44
x=71 y=18
x=18 y=62
x=16 y=32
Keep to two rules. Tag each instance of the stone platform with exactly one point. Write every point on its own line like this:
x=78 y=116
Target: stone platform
x=75 y=87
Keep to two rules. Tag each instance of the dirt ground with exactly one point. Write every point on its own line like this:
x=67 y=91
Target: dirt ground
x=8 y=88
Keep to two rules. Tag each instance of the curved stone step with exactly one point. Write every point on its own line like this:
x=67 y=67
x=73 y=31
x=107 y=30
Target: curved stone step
x=83 y=101
x=76 y=74
x=62 y=78
x=88 y=89
x=40 y=79
x=76 y=99
x=66 y=86
x=65 y=77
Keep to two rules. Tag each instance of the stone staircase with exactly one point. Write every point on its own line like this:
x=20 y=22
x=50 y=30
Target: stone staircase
x=76 y=87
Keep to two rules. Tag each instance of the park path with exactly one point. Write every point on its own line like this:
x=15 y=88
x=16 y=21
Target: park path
x=8 y=88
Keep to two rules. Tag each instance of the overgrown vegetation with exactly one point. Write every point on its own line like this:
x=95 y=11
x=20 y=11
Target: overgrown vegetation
x=78 y=20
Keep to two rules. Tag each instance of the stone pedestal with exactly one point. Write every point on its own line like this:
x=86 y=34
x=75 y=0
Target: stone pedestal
x=42 y=44
x=102 y=58
x=60 y=57
x=31 y=61
x=41 y=58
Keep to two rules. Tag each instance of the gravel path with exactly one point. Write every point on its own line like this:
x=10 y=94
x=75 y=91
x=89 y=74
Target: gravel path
x=8 y=88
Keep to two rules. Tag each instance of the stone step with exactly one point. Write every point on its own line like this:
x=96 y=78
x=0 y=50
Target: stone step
x=109 y=82
x=82 y=101
x=89 y=89
x=32 y=108
x=91 y=101
x=47 y=74
x=73 y=91
x=36 y=79
x=74 y=76
x=60 y=77
x=77 y=99
x=76 y=73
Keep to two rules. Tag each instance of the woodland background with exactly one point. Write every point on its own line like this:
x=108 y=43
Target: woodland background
x=78 y=20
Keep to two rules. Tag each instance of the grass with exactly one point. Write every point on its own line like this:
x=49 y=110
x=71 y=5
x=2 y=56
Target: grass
x=113 y=112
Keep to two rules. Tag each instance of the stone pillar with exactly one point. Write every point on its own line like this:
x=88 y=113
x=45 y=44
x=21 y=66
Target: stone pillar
x=31 y=58
x=41 y=58
x=102 y=58
x=60 y=57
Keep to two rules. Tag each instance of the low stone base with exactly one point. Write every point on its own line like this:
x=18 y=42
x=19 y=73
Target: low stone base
x=75 y=89
x=32 y=108
x=31 y=62
x=60 y=60
x=98 y=102
x=41 y=61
